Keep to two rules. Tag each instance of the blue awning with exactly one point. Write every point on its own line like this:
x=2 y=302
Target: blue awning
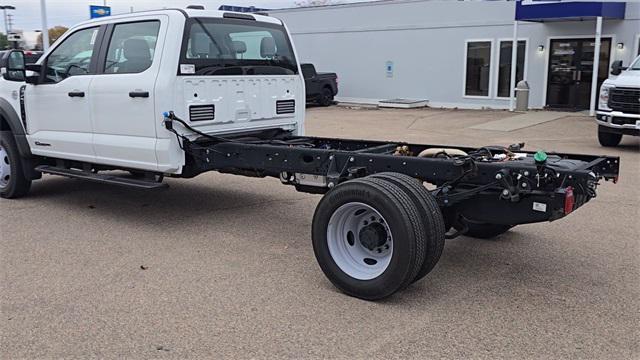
x=544 y=10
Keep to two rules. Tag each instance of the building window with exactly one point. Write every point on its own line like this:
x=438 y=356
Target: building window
x=504 y=67
x=478 y=70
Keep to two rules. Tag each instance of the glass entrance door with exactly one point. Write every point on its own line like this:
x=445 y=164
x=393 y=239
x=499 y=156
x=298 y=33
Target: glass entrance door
x=571 y=72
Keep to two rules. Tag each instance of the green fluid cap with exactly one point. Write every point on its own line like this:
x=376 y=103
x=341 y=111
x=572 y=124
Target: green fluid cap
x=540 y=156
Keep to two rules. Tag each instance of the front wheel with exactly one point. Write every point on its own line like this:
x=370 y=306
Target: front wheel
x=13 y=183
x=608 y=139
x=368 y=238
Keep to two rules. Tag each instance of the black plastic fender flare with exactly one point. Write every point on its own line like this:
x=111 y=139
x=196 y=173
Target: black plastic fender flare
x=11 y=118
x=11 y=122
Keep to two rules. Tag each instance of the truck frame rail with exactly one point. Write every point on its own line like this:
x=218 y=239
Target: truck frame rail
x=501 y=185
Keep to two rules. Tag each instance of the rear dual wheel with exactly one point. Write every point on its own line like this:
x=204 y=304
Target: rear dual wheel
x=430 y=214
x=371 y=239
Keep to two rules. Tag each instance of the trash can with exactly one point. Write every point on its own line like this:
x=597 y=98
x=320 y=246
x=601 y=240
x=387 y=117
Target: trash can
x=522 y=96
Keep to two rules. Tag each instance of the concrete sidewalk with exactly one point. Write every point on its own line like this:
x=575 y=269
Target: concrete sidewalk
x=524 y=120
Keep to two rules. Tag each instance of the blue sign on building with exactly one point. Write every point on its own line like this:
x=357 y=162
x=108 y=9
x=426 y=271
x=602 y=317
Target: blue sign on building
x=96 y=11
x=557 y=10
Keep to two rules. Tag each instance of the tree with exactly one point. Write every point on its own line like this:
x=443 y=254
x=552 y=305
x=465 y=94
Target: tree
x=3 y=41
x=54 y=33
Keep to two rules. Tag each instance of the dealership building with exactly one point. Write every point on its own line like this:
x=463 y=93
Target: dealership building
x=458 y=53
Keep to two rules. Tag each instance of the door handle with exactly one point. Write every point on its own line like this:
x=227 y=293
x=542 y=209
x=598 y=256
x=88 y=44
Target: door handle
x=139 y=94
x=76 y=94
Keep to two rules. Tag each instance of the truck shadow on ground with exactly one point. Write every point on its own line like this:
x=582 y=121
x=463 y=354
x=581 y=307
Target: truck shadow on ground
x=465 y=263
x=179 y=206
x=477 y=271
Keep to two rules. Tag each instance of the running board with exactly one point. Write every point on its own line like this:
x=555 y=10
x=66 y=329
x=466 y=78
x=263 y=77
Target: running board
x=101 y=178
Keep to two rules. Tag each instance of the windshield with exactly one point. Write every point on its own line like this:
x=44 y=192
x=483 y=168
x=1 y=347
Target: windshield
x=635 y=65
x=236 y=47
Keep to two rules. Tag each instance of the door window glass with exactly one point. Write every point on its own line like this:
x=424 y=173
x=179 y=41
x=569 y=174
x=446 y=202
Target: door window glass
x=72 y=57
x=504 y=70
x=478 y=68
x=132 y=47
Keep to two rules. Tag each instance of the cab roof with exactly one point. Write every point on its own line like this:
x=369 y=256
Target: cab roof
x=188 y=13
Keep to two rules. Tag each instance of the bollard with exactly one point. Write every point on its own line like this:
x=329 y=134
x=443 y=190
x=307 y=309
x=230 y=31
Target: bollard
x=522 y=96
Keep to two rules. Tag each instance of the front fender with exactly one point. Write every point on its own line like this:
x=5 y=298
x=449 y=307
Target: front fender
x=11 y=121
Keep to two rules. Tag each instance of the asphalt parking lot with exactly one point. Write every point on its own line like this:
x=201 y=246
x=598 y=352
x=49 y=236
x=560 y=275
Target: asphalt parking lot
x=222 y=266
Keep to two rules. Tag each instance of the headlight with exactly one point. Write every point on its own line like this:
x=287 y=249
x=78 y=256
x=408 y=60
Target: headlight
x=603 y=99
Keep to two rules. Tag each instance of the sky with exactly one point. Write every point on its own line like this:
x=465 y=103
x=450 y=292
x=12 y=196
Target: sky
x=69 y=12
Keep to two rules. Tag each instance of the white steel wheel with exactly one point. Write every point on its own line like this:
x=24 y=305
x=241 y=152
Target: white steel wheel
x=368 y=238
x=359 y=241
x=5 y=167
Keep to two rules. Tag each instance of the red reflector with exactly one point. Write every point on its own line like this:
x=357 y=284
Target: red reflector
x=569 y=200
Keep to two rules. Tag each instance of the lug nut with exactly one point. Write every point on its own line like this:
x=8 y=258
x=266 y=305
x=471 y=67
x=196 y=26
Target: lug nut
x=505 y=192
x=498 y=176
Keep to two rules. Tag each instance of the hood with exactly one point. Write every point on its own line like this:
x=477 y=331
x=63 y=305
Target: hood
x=628 y=78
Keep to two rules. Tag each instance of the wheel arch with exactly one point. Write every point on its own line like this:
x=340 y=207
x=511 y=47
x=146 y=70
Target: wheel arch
x=11 y=122
x=330 y=87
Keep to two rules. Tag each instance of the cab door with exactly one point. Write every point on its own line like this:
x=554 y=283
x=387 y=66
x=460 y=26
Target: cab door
x=122 y=93
x=58 y=107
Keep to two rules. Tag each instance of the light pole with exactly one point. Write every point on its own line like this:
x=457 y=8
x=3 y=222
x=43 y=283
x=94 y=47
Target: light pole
x=45 y=29
x=4 y=9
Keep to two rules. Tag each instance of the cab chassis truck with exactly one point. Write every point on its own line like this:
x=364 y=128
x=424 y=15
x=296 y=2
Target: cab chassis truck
x=387 y=206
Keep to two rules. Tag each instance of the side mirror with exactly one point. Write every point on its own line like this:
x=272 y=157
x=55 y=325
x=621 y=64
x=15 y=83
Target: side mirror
x=616 y=67
x=15 y=67
x=33 y=79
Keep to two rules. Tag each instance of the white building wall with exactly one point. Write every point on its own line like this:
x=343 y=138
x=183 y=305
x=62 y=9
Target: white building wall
x=426 y=42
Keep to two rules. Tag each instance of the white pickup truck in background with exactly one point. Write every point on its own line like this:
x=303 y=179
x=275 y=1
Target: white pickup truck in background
x=619 y=104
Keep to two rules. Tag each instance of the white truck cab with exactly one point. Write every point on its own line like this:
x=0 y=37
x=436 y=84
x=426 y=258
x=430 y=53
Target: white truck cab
x=619 y=104
x=99 y=93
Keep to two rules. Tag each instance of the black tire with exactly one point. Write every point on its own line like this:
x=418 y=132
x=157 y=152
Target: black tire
x=326 y=97
x=429 y=213
x=608 y=139
x=15 y=183
x=486 y=231
x=403 y=220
